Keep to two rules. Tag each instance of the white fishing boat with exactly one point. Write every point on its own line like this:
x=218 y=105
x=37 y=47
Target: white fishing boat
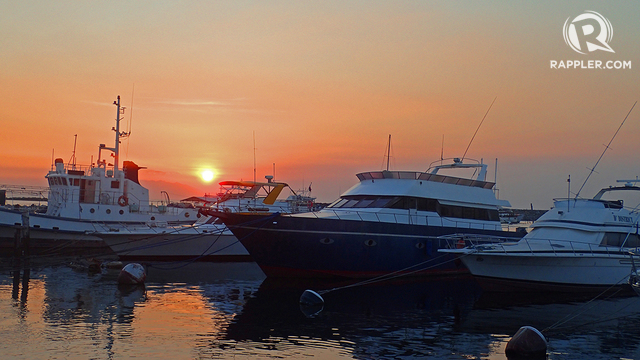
x=82 y=196
x=208 y=239
x=580 y=244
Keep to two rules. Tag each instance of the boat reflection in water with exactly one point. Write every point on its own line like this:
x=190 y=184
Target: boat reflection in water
x=229 y=310
x=412 y=318
x=76 y=315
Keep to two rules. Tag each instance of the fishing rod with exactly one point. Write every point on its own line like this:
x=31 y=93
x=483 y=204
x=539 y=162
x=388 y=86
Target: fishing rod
x=592 y=170
x=474 y=134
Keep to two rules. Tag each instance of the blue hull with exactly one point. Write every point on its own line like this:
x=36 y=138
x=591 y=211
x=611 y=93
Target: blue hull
x=285 y=246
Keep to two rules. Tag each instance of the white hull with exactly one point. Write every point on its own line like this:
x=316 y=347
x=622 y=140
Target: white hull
x=60 y=235
x=50 y=235
x=556 y=269
x=77 y=228
x=580 y=244
x=197 y=243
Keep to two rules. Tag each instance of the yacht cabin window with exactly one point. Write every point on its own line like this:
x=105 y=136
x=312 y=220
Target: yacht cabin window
x=618 y=239
x=420 y=204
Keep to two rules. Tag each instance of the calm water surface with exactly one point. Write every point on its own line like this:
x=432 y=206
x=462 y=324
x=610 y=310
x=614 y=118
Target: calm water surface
x=230 y=311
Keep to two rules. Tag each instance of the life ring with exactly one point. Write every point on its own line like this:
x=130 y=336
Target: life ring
x=123 y=201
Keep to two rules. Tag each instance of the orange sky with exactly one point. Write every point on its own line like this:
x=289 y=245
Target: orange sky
x=321 y=85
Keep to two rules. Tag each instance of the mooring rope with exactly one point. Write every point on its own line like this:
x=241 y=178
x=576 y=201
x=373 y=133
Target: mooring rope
x=395 y=274
x=587 y=306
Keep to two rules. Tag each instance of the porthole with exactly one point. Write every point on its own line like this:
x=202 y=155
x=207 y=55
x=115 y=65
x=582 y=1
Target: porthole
x=420 y=245
x=326 y=241
x=186 y=214
x=108 y=211
x=153 y=218
x=370 y=242
x=121 y=212
x=92 y=210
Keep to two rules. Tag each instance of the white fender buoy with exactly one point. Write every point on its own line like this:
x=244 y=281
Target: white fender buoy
x=132 y=274
x=528 y=343
x=311 y=303
x=310 y=297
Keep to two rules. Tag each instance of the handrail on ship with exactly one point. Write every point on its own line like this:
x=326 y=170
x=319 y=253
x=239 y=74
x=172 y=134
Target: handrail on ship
x=587 y=249
x=375 y=216
x=414 y=175
x=453 y=240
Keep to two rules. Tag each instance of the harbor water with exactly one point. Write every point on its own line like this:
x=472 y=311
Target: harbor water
x=231 y=311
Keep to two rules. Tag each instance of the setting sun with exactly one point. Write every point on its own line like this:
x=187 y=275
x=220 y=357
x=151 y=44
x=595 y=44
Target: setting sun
x=207 y=175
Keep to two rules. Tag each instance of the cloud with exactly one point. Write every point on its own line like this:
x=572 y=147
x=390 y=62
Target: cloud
x=194 y=103
x=198 y=102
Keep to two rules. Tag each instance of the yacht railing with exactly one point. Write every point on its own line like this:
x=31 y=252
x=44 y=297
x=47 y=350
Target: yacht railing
x=86 y=169
x=411 y=219
x=413 y=175
x=461 y=240
x=257 y=208
x=544 y=247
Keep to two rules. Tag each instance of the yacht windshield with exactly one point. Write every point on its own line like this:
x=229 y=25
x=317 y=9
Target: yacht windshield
x=415 y=203
x=620 y=239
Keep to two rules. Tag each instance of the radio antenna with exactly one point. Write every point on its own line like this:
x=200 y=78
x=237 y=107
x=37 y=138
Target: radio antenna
x=130 y=120
x=474 y=134
x=131 y=109
x=442 y=150
x=388 y=152
x=605 y=150
x=72 y=161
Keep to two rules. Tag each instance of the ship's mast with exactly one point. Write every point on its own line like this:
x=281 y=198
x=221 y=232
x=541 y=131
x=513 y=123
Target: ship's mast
x=116 y=152
x=116 y=149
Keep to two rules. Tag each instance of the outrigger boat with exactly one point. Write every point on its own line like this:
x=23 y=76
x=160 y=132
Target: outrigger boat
x=208 y=239
x=81 y=197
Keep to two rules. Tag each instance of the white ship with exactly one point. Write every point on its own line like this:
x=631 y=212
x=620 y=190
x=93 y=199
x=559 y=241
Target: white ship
x=81 y=197
x=580 y=244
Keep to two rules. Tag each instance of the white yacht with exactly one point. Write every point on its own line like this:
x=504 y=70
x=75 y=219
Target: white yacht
x=389 y=222
x=82 y=196
x=580 y=244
